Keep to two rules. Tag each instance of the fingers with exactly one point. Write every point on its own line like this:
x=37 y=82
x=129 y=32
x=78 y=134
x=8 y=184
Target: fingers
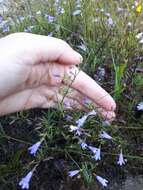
x=50 y=74
x=44 y=49
x=88 y=87
x=89 y=105
x=21 y=101
x=40 y=97
x=66 y=103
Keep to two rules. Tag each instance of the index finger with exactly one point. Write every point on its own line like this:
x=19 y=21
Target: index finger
x=87 y=86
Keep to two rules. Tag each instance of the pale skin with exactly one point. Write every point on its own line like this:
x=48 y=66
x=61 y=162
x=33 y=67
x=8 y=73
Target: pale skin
x=35 y=70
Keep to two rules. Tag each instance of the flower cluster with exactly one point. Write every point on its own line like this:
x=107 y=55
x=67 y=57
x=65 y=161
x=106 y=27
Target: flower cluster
x=96 y=151
x=4 y=25
x=99 y=178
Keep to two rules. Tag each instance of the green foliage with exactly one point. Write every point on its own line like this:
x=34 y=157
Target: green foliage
x=112 y=46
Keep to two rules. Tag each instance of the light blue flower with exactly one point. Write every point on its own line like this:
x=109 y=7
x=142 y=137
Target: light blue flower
x=119 y=9
x=1 y=19
x=61 y=10
x=28 y=29
x=50 y=34
x=139 y=35
x=83 y=145
x=80 y=122
x=73 y=173
x=24 y=183
x=82 y=47
x=102 y=10
x=21 y=18
x=105 y=135
x=107 y=14
x=140 y=106
x=39 y=13
x=50 y=18
x=5 y=28
x=110 y=21
x=121 y=160
x=102 y=181
x=68 y=117
x=78 y=3
x=76 y=12
x=67 y=105
x=93 y=149
x=75 y=129
x=129 y=24
x=34 y=148
x=97 y=155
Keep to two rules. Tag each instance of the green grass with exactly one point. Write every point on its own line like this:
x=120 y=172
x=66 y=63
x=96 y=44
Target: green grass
x=114 y=48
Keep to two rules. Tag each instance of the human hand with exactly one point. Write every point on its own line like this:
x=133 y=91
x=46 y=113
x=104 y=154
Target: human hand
x=37 y=70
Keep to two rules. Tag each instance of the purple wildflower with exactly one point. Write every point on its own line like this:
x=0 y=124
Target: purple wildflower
x=121 y=160
x=119 y=9
x=28 y=29
x=5 y=28
x=78 y=3
x=102 y=181
x=73 y=173
x=93 y=149
x=80 y=122
x=139 y=35
x=50 y=18
x=61 y=10
x=21 y=18
x=76 y=12
x=24 y=183
x=140 y=106
x=34 y=148
x=110 y=21
x=97 y=155
x=75 y=129
x=83 y=145
x=38 y=13
x=82 y=47
x=50 y=34
x=105 y=135
x=1 y=19
x=107 y=14
x=68 y=117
